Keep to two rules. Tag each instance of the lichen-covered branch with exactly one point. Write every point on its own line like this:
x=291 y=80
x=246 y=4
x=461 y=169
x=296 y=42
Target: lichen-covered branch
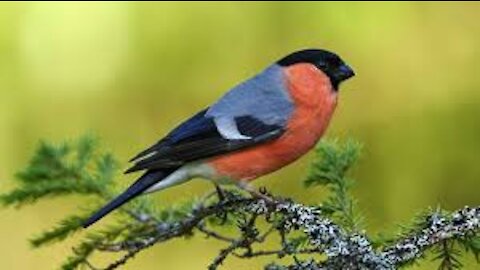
x=333 y=228
x=343 y=250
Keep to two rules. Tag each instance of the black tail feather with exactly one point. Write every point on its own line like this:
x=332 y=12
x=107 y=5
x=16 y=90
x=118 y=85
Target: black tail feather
x=144 y=182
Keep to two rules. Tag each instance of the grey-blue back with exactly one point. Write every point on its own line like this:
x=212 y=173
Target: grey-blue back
x=265 y=97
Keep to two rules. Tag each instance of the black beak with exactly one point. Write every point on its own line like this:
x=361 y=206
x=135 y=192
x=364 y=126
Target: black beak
x=343 y=73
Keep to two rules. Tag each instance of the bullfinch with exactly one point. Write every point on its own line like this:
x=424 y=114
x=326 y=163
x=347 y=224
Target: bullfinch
x=258 y=127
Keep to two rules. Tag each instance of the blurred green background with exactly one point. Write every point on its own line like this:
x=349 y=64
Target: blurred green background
x=129 y=72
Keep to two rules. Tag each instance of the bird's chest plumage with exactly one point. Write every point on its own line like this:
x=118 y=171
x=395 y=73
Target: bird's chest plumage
x=314 y=101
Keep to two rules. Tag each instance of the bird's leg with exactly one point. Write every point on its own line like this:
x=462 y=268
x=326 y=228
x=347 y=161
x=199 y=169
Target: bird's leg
x=220 y=192
x=250 y=189
x=221 y=198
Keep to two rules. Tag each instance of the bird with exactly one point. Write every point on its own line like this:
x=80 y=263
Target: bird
x=257 y=127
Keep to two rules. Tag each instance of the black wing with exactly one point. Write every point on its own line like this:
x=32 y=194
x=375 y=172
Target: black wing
x=198 y=138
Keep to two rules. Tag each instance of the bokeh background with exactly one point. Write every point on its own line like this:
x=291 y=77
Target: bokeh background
x=129 y=72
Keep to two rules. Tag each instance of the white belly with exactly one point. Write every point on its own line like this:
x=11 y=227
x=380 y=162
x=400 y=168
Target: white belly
x=182 y=175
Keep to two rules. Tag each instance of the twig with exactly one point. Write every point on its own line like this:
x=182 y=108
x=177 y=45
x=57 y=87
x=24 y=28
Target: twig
x=123 y=260
x=279 y=253
x=225 y=252
x=210 y=233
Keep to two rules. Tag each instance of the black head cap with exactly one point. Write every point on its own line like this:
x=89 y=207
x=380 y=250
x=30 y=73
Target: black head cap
x=328 y=62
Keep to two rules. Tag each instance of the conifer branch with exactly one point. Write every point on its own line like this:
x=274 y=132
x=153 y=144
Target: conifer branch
x=333 y=228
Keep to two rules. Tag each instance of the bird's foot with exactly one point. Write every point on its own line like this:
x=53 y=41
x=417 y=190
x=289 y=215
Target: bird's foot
x=261 y=194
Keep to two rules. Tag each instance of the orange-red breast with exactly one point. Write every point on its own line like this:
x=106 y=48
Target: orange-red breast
x=257 y=127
